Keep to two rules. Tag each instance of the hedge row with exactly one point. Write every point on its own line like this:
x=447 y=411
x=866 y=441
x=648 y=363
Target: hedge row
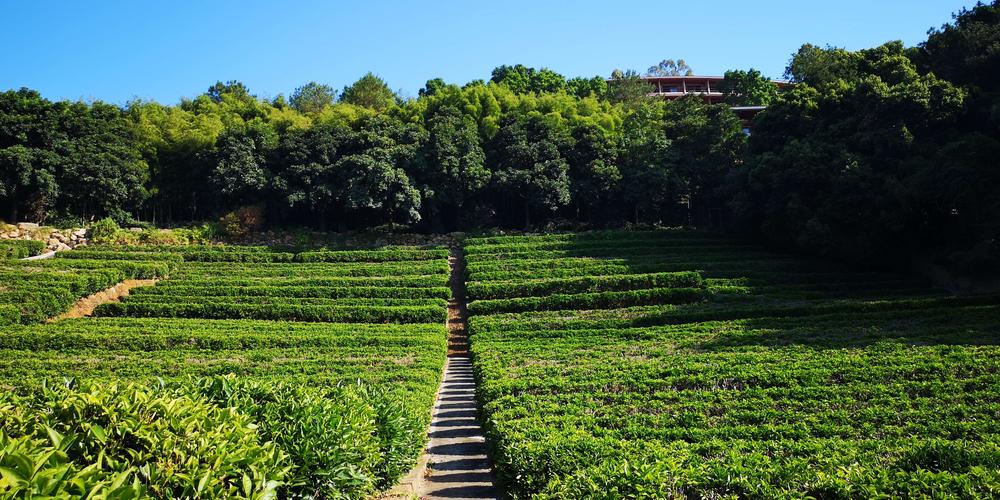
x=660 y=252
x=133 y=269
x=203 y=255
x=374 y=255
x=9 y=314
x=229 y=299
x=312 y=270
x=102 y=255
x=39 y=290
x=285 y=312
x=612 y=283
x=181 y=290
x=601 y=300
x=19 y=249
x=679 y=245
x=608 y=235
x=417 y=281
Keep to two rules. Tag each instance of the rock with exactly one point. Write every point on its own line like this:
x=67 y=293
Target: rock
x=135 y=229
x=61 y=246
x=80 y=233
x=52 y=241
x=27 y=225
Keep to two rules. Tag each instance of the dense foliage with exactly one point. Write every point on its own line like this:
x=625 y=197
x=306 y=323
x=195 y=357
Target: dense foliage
x=881 y=155
x=884 y=152
x=529 y=146
x=783 y=378
x=222 y=404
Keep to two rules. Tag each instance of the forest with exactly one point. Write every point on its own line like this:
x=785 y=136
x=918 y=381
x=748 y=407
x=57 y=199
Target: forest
x=881 y=155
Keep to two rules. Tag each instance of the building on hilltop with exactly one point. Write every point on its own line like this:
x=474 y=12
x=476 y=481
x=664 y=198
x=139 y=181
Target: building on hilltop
x=675 y=87
x=707 y=87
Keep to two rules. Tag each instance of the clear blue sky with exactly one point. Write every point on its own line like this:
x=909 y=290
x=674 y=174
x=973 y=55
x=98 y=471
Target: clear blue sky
x=117 y=50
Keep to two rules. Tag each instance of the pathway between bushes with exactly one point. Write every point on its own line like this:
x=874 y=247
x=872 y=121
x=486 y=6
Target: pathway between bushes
x=86 y=305
x=455 y=464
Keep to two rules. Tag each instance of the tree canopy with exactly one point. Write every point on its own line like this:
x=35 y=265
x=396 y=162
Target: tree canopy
x=886 y=154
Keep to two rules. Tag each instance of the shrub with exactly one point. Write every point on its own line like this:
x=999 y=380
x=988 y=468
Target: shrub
x=105 y=230
x=331 y=436
x=242 y=222
x=20 y=249
x=96 y=440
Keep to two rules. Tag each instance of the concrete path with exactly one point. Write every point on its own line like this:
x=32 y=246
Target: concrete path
x=457 y=464
x=42 y=256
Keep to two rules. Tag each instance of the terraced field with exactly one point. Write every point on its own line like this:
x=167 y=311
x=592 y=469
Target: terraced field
x=246 y=372
x=676 y=364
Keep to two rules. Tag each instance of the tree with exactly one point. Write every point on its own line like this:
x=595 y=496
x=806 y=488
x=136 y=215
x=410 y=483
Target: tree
x=373 y=171
x=313 y=97
x=369 y=91
x=27 y=182
x=305 y=179
x=241 y=173
x=27 y=161
x=966 y=51
x=587 y=87
x=232 y=87
x=521 y=79
x=529 y=167
x=833 y=168
x=820 y=67
x=669 y=67
x=650 y=184
x=432 y=87
x=707 y=144
x=628 y=88
x=593 y=170
x=101 y=171
x=517 y=78
x=454 y=171
x=747 y=88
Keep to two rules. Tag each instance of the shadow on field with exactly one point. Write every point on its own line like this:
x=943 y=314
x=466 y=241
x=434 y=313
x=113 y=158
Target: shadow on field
x=969 y=325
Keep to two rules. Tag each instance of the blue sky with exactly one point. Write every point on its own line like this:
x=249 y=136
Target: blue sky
x=117 y=50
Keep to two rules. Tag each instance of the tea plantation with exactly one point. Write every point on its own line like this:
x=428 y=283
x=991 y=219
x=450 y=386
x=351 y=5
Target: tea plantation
x=610 y=364
x=675 y=364
x=248 y=372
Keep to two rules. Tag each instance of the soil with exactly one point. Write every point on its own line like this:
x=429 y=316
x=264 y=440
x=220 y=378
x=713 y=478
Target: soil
x=85 y=306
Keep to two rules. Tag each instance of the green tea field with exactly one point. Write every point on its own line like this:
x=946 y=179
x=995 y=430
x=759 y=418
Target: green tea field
x=680 y=365
x=607 y=364
x=242 y=374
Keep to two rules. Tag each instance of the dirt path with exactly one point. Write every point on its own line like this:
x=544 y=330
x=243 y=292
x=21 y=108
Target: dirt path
x=86 y=305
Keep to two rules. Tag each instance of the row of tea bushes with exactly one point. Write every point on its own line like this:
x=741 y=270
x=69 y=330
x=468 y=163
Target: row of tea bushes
x=271 y=390
x=392 y=285
x=20 y=249
x=782 y=378
x=31 y=292
x=311 y=409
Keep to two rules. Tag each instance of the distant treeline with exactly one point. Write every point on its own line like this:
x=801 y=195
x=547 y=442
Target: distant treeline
x=869 y=154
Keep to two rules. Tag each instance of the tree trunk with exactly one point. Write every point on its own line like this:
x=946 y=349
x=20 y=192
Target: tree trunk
x=13 y=205
x=527 y=214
